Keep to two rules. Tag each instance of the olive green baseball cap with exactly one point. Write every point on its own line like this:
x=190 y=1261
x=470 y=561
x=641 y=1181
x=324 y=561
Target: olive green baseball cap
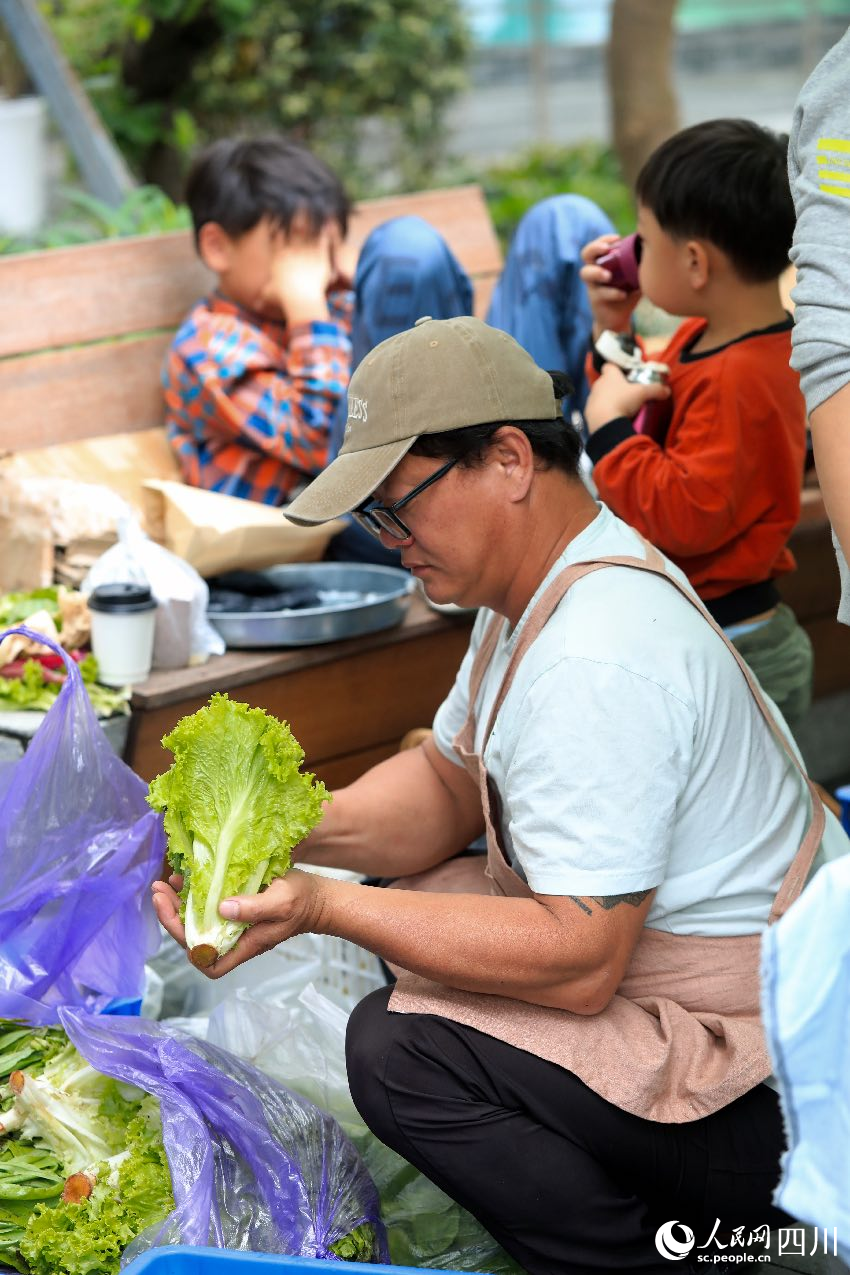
x=439 y=375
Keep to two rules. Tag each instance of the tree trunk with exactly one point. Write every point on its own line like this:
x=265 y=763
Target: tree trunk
x=644 y=111
x=156 y=70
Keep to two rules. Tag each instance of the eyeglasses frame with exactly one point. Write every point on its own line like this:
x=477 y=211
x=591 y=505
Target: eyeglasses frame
x=369 y=518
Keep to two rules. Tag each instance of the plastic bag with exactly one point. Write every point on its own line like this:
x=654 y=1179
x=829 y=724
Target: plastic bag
x=183 y=635
x=79 y=848
x=254 y=1166
x=302 y=1044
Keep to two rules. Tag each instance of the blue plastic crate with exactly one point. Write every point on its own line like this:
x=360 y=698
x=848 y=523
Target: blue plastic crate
x=843 y=795
x=221 y=1261
x=125 y=1008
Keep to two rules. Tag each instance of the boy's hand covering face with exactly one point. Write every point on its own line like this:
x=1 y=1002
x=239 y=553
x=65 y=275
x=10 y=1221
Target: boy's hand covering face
x=611 y=307
x=302 y=270
x=613 y=396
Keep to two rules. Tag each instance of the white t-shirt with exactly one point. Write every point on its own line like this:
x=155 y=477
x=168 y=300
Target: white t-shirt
x=629 y=753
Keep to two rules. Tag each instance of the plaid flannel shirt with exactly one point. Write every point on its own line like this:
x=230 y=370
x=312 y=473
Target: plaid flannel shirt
x=249 y=401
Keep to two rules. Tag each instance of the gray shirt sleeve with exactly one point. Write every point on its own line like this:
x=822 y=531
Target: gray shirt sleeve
x=819 y=172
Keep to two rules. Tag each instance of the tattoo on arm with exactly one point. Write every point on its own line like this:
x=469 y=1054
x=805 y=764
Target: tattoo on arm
x=609 y=901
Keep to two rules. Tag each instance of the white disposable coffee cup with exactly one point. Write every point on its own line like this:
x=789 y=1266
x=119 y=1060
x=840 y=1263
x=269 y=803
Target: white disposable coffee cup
x=122 y=629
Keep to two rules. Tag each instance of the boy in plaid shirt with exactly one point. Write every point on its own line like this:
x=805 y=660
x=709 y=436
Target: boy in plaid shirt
x=254 y=374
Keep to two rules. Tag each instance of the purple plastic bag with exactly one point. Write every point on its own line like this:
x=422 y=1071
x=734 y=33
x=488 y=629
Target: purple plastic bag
x=253 y=1166
x=79 y=848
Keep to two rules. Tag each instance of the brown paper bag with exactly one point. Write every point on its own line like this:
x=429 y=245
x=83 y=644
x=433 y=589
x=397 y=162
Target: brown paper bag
x=217 y=533
x=120 y=462
x=26 y=547
x=45 y=519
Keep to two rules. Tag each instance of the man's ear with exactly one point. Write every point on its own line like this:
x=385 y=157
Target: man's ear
x=215 y=247
x=513 y=452
x=698 y=263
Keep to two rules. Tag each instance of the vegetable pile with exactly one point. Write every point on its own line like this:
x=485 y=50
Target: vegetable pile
x=31 y=677
x=83 y=1168
x=236 y=803
x=33 y=685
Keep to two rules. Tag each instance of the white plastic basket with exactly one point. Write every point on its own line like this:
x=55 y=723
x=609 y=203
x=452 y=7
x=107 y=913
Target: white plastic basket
x=344 y=970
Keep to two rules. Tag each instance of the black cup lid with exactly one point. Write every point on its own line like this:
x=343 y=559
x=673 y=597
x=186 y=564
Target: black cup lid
x=122 y=597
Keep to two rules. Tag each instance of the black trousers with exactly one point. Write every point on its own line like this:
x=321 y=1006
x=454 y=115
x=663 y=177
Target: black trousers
x=563 y=1180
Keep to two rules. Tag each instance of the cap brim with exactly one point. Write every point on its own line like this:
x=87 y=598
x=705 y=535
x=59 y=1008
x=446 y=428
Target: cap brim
x=346 y=483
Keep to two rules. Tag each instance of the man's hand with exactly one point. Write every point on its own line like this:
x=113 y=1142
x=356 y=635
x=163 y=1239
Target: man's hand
x=612 y=308
x=302 y=271
x=612 y=396
x=289 y=905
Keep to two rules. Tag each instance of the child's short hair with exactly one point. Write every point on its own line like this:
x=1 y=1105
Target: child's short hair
x=726 y=181
x=236 y=181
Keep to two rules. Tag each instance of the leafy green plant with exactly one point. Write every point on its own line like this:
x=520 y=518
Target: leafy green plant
x=146 y=211
x=511 y=188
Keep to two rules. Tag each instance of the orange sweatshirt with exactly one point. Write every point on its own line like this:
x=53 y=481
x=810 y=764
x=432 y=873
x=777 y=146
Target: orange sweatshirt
x=720 y=494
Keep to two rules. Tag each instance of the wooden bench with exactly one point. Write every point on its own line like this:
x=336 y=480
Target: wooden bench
x=85 y=329
x=81 y=344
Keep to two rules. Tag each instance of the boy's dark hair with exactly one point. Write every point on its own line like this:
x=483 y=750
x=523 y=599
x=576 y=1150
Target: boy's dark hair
x=555 y=442
x=238 y=180
x=726 y=181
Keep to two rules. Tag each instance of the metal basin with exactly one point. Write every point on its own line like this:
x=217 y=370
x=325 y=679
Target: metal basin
x=360 y=599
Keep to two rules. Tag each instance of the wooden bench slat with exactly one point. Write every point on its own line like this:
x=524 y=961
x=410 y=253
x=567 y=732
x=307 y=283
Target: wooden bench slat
x=460 y=214
x=72 y=295
x=67 y=395
x=121 y=286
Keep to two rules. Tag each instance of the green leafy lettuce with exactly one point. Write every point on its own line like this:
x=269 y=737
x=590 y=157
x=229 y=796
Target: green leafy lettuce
x=83 y=1168
x=69 y=1109
x=16 y=608
x=236 y=803
x=360 y=1245
x=130 y=1193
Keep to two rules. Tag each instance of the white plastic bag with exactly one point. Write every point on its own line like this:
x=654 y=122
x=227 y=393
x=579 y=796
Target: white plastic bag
x=183 y=635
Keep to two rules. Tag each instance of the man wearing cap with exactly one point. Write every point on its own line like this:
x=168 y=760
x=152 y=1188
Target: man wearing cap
x=573 y=1050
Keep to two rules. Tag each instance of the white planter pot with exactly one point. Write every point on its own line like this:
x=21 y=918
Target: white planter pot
x=23 y=165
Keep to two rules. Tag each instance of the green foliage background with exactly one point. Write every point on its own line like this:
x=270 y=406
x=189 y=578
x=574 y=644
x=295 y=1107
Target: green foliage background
x=511 y=189
x=167 y=75
x=589 y=169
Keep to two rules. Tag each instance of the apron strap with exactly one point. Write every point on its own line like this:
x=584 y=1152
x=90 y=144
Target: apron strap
x=795 y=877
x=483 y=656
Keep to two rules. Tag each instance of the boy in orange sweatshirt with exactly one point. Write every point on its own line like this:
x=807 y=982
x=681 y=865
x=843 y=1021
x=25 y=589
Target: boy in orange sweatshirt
x=718 y=490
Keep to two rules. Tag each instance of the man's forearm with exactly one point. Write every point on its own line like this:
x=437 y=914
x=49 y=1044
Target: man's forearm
x=397 y=819
x=830 y=423
x=478 y=943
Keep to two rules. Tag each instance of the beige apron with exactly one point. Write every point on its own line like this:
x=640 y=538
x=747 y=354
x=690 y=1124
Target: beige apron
x=682 y=1036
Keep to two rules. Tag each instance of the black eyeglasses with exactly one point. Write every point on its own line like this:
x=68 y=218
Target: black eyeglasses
x=378 y=518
